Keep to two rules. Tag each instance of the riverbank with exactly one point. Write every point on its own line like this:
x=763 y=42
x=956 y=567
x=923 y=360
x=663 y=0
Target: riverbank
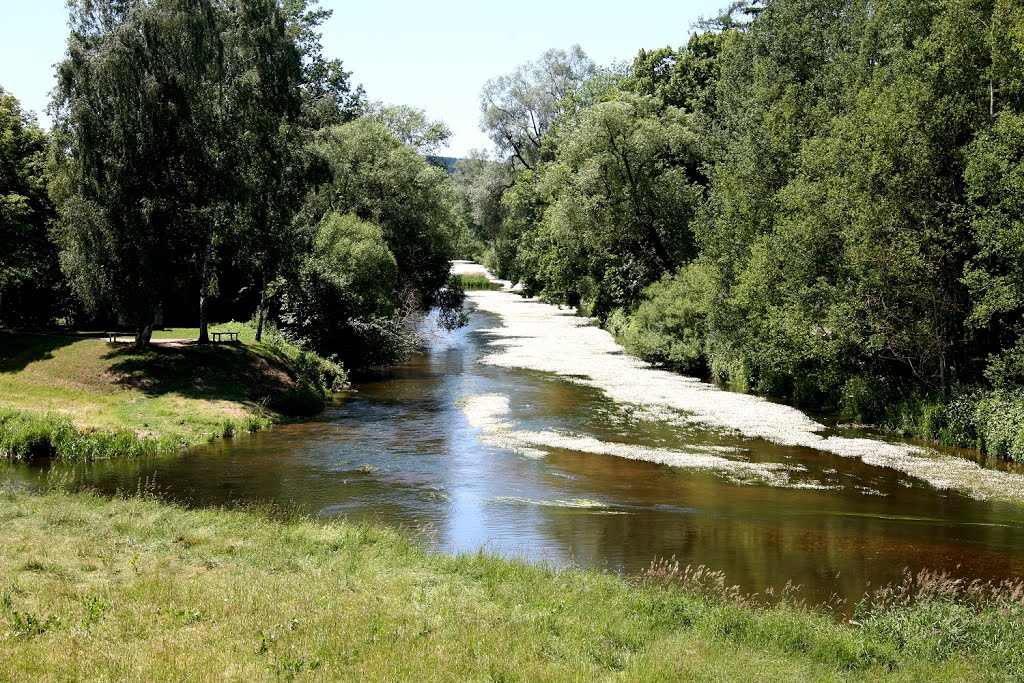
x=547 y=338
x=77 y=396
x=135 y=589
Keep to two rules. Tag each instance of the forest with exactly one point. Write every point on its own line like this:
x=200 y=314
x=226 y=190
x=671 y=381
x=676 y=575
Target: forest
x=817 y=200
x=208 y=162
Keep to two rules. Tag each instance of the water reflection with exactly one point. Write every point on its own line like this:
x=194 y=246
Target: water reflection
x=399 y=450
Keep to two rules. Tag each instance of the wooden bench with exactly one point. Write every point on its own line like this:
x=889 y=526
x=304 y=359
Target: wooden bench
x=218 y=336
x=112 y=336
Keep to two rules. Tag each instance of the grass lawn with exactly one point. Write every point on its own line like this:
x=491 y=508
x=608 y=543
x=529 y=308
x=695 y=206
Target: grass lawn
x=180 y=395
x=137 y=590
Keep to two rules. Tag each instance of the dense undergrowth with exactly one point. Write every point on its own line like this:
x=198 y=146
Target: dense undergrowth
x=816 y=200
x=134 y=589
x=667 y=329
x=990 y=420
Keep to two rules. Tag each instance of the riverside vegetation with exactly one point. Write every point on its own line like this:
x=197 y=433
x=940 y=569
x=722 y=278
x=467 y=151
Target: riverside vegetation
x=242 y=176
x=75 y=397
x=135 y=589
x=815 y=200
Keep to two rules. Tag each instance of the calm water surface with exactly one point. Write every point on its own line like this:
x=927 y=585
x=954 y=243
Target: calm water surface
x=399 y=450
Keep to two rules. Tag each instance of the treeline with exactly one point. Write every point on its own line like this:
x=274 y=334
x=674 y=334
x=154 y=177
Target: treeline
x=816 y=199
x=207 y=161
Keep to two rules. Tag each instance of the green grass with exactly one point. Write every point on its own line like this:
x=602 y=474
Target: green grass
x=134 y=589
x=472 y=282
x=79 y=396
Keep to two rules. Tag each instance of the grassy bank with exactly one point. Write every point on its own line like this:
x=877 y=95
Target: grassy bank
x=97 y=589
x=989 y=420
x=78 y=396
x=981 y=417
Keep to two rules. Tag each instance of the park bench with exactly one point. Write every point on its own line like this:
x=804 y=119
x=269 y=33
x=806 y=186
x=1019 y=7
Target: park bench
x=112 y=336
x=218 y=336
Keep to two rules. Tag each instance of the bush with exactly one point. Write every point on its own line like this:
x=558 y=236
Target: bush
x=1000 y=423
x=668 y=327
x=314 y=378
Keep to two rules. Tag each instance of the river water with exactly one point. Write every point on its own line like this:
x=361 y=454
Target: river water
x=476 y=453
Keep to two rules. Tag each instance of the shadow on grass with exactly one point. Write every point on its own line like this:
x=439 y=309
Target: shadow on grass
x=230 y=372
x=19 y=349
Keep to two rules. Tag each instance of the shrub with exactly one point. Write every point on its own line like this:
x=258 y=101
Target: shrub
x=999 y=416
x=668 y=327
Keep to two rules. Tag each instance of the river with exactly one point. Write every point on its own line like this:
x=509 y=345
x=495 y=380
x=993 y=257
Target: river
x=507 y=436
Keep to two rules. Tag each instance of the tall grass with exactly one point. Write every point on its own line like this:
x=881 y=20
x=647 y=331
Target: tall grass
x=134 y=589
x=471 y=282
x=25 y=436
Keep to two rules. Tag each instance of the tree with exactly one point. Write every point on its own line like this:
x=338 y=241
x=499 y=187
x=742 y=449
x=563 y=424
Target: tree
x=31 y=286
x=519 y=107
x=625 y=189
x=379 y=180
x=342 y=300
x=480 y=183
x=252 y=103
x=175 y=119
x=684 y=78
x=130 y=153
x=411 y=126
x=328 y=96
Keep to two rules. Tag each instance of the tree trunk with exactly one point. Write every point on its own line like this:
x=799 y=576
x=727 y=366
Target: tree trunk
x=144 y=332
x=263 y=308
x=145 y=336
x=204 y=284
x=942 y=373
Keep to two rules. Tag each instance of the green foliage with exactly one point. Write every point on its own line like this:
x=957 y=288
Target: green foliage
x=669 y=327
x=820 y=201
x=343 y=298
x=126 y=143
x=480 y=183
x=329 y=97
x=518 y=108
x=163 y=153
x=31 y=286
x=387 y=225
x=27 y=437
x=621 y=198
x=1000 y=423
x=309 y=393
x=412 y=126
x=684 y=78
x=992 y=420
x=379 y=180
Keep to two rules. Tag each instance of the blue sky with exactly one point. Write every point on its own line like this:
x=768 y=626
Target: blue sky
x=434 y=55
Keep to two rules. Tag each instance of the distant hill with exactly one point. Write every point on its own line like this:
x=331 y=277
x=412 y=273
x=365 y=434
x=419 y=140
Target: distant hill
x=447 y=163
